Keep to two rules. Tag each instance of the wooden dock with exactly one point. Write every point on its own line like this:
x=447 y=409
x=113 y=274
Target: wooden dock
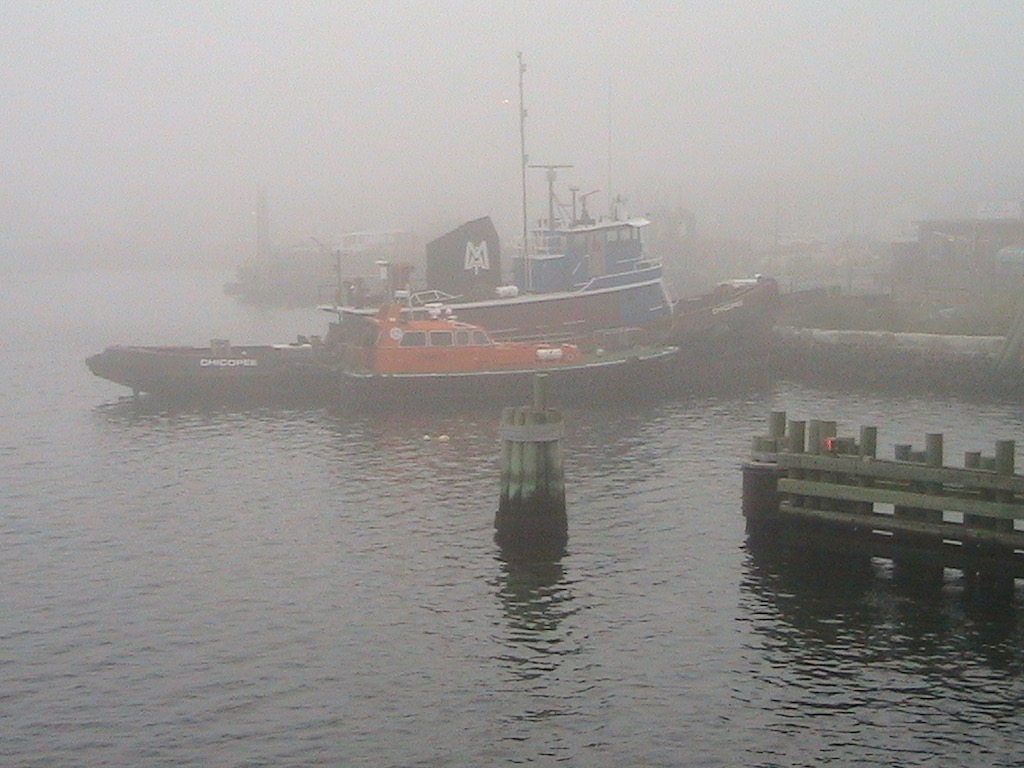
x=806 y=485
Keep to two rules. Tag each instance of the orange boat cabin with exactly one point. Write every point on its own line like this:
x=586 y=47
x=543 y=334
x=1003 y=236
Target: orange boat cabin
x=436 y=343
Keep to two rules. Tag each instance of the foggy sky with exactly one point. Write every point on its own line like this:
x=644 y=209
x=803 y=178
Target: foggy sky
x=137 y=132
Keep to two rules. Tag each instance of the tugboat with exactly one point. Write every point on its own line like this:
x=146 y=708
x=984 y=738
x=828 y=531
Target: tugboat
x=573 y=282
x=736 y=317
x=573 y=276
x=429 y=356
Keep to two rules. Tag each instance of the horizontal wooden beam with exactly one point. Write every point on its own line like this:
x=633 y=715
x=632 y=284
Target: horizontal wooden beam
x=826 y=490
x=792 y=531
x=875 y=521
x=901 y=470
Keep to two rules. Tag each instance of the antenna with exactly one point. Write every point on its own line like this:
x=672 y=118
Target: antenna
x=338 y=292
x=618 y=204
x=584 y=216
x=552 y=170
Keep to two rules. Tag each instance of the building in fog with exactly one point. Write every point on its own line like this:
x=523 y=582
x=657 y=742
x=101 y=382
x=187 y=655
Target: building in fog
x=954 y=262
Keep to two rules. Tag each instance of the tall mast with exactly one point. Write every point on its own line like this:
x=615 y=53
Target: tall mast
x=610 y=203
x=522 y=145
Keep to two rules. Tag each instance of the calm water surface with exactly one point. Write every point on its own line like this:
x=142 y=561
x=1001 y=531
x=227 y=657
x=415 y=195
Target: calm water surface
x=299 y=587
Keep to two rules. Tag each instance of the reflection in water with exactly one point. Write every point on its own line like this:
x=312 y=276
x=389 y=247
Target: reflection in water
x=845 y=647
x=128 y=409
x=820 y=600
x=535 y=600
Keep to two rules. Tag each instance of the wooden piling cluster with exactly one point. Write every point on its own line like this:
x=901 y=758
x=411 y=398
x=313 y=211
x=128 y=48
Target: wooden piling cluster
x=808 y=484
x=531 y=512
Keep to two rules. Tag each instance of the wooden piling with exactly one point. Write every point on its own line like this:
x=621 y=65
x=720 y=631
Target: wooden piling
x=868 y=442
x=760 y=493
x=1002 y=463
x=531 y=513
x=760 y=475
x=909 y=569
x=796 y=436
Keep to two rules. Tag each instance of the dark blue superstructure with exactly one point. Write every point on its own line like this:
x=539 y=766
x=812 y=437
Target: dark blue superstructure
x=585 y=258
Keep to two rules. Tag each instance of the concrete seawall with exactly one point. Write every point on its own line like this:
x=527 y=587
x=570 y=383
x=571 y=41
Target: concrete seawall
x=920 y=343
x=965 y=366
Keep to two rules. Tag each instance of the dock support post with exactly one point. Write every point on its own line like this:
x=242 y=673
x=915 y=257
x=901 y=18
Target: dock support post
x=910 y=571
x=761 y=473
x=760 y=494
x=531 y=517
x=993 y=586
x=868 y=448
x=933 y=458
x=797 y=439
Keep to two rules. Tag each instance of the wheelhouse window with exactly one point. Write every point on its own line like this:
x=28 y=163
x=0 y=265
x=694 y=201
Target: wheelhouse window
x=440 y=338
x=479 y=337
x=462 y=338
x=413 y=339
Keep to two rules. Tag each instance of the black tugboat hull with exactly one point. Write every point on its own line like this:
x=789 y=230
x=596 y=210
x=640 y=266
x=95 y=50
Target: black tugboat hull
x=265 y=373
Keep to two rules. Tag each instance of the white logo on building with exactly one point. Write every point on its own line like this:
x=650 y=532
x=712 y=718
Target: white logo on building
x=476 y=257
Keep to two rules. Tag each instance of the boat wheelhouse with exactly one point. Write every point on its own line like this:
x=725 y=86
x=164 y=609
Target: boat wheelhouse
x=412 y=358
x=587 y=257
x=433 y=342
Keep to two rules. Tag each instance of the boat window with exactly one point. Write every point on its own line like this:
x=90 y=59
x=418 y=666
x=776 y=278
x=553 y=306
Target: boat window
x=414 y=339
x=440 y=338
x=479 y=337
x=462 y=338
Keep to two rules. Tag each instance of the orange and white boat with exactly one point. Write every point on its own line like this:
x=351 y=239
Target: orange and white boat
x=402 y=357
